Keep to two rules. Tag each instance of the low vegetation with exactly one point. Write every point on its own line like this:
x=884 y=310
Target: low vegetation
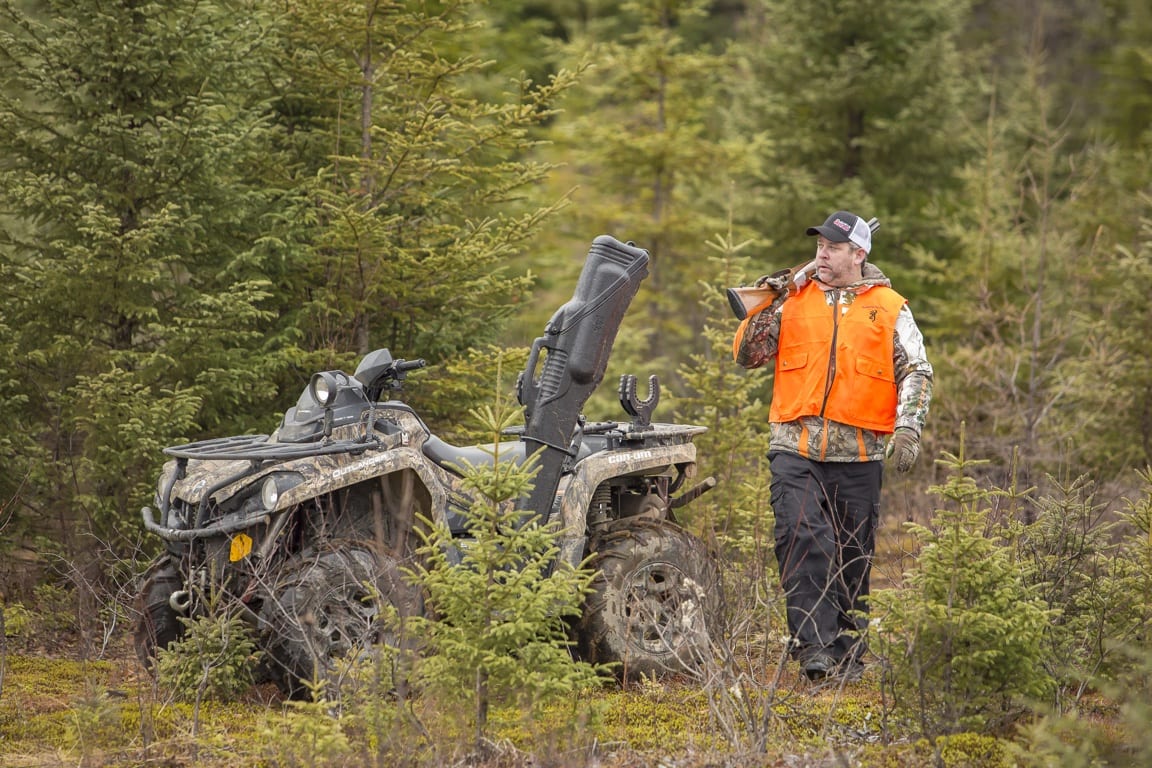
x=978 y=659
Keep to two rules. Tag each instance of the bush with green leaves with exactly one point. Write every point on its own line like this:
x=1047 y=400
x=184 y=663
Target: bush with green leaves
x=95 y=720
x=1087 y=562
x=306 y=737
x=214 y=660
x=962 y=639
x=1081 y=738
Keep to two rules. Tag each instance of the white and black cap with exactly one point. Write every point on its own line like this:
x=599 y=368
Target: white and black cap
x=845 y=227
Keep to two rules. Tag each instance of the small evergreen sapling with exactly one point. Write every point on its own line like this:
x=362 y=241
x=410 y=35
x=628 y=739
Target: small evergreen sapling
x=212 y=661
x=962 y=640
x=499 y=632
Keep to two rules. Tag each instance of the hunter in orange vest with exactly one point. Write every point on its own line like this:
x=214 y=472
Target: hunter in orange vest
x=852 y=386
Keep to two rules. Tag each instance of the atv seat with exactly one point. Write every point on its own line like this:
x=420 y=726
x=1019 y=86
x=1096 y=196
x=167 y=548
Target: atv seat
x=456 y=458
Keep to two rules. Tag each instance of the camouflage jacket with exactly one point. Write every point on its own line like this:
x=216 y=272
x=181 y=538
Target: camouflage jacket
x=828 y=440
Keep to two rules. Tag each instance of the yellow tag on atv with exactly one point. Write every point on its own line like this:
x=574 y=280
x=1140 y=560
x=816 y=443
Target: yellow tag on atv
x=241 y=546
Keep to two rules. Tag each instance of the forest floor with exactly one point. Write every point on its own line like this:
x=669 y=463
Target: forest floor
x=71 y=700
x=61 y=706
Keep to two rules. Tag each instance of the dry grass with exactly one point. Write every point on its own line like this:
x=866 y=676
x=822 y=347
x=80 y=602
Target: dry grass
x=64 y=704
x=62 y=710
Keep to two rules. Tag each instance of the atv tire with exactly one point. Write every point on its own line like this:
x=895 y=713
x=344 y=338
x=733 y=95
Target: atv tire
x=158 y=624
x=654 y=601
x=327 y=606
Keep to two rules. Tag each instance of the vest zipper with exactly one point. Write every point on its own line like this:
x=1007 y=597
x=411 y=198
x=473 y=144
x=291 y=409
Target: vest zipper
x=832 y=353
x=831 y=372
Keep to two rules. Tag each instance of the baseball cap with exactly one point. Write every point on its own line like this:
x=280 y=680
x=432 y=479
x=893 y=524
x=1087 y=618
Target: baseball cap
x=844 y=227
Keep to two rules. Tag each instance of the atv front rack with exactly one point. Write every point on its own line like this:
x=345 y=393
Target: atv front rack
x=257 y=448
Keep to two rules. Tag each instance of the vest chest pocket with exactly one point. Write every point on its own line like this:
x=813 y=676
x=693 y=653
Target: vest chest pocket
x=792 y=360
x=874 y=368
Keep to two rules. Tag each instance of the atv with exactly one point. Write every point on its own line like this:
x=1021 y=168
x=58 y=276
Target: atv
x=307 y=531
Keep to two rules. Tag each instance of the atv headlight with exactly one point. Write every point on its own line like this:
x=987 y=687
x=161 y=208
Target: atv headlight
x=269 y=493
x=275 y=486
x=324 y=387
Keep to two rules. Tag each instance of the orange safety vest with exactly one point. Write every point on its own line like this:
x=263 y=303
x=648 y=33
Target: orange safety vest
x=838 y=366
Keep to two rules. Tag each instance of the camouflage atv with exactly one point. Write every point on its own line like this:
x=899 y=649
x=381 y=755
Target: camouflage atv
x=305 y=531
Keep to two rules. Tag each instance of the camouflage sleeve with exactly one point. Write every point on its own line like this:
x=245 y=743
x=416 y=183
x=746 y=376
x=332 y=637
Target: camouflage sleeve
x=761 y=337
x=913 y=373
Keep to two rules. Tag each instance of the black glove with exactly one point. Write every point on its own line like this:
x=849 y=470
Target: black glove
x=904 y=447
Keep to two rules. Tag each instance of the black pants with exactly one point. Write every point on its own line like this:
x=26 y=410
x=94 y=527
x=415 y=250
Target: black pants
x=826 y=515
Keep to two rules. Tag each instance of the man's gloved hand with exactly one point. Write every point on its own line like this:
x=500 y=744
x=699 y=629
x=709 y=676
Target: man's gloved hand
x=777 y=281
x=904 y=447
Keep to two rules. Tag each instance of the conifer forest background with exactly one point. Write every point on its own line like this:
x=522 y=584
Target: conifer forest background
x=203 y=202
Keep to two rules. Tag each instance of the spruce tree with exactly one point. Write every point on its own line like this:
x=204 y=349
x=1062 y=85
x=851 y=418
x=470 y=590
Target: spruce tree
x=129 y=254
x=500 y=601
x=961 y=641
x=417 y=186
x=1127 y=79
x=1035 y=314
x=864 y=104
x=648 y=162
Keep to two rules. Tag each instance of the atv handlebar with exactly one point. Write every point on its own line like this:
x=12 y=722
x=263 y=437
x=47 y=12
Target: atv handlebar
x=409 y=365
x=378 y=372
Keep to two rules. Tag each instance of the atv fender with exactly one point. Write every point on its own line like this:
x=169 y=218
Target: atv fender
x=575 y=496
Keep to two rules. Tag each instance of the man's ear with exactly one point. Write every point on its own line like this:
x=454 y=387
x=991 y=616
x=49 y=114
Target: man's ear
x=859 y=256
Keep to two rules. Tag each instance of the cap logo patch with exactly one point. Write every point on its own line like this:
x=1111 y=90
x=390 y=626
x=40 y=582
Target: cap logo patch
x=841 y=225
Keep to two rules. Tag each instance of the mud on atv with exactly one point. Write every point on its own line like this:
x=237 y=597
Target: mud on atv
x=304 y=532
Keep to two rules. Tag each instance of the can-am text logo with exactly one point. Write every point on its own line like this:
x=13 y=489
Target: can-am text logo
x=628 y=456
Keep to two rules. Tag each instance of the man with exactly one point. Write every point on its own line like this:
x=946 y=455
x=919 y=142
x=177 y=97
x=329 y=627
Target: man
x=852 y=386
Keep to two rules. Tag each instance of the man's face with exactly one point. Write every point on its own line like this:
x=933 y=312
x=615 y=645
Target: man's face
x=838 y=264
